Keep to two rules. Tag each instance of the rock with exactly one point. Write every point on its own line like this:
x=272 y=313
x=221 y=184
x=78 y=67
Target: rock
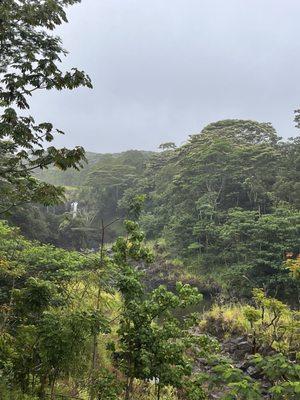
x=253 y=372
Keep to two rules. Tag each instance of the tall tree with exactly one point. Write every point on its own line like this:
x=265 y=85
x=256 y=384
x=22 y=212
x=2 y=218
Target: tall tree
x=30 y=56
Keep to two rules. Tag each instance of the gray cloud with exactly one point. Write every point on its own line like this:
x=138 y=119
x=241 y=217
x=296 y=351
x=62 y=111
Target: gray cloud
x=162 y=69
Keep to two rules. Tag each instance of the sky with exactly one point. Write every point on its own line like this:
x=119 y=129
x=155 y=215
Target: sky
x=163 y=69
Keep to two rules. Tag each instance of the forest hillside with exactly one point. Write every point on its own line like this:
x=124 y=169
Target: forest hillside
x=140 y=275
x=224 y=207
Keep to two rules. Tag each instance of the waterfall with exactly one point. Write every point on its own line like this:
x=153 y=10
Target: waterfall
x=74 y=207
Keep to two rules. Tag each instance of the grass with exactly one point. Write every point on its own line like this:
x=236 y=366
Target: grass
x=281 y=333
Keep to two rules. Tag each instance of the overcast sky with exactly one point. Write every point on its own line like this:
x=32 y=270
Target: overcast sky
x=163 y=69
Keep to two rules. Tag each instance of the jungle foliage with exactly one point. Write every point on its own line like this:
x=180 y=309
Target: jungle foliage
x=30 y=57
x=99 y=282
x=82 y=325
x=226 y=203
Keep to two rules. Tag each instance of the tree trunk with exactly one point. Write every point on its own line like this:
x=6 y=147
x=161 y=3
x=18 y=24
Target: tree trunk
x=97 y=308
x=52 y=391
x=129 y=388
x=158 y=391
x=42 y=394
x=95 y=338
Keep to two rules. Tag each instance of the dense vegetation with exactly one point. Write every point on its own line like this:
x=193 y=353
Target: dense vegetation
x=103 y=265
x=83 y=325
x=228 y=202
x=225 y=204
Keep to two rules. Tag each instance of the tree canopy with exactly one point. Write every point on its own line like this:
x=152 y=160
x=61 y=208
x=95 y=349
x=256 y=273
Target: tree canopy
x=30 y=58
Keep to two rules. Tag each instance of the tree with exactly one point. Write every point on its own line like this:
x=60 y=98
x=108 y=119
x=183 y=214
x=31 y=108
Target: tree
x=216 y=203
x=254 y=246
x=153 y=342
x=167 y=146
x=29 y=61
x=46 y=324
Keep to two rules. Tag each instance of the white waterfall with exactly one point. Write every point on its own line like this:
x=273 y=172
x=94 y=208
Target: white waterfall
x=74 y=207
